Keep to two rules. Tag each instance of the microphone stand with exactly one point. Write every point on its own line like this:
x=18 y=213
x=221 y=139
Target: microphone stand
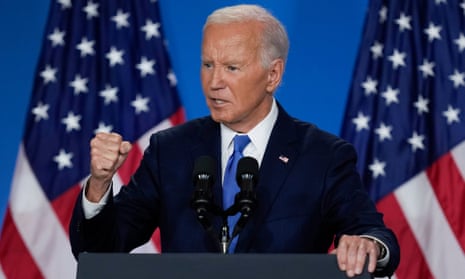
x=225 y=239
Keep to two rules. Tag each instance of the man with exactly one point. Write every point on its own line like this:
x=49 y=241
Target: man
x=309 y=192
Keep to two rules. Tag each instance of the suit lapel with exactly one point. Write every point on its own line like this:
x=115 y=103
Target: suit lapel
x=279 y=157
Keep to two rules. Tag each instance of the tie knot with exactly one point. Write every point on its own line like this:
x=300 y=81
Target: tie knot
x=240 y=142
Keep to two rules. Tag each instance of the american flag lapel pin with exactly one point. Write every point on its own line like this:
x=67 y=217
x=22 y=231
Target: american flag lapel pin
x=284 y=159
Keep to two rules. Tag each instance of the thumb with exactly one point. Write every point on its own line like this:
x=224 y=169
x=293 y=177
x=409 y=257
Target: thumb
x=124 y=148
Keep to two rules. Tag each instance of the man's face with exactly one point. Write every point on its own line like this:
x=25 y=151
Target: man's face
x=237 y=88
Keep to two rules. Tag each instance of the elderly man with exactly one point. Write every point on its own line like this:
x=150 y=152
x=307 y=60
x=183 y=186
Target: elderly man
x=309 y=193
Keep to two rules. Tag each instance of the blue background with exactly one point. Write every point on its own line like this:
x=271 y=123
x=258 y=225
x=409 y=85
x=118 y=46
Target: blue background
x=324 y=35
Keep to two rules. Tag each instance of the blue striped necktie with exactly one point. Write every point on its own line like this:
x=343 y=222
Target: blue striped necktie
x=230 y=187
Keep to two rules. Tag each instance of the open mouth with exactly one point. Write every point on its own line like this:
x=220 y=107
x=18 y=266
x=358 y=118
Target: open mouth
x=218 y=101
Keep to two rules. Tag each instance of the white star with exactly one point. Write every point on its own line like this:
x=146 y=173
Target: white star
x=140 y=104
x=361 y=121
x=369 y=85
x=440 y=1
x=458 y=78
x=121 y=19
x=416 y=141
x=384 y=132
x=390 y=95
x=462 y=5
x=427 y=68
x=146 y=67
x=422 y=105
x=40 y=111
x=57 y=37
x=397 y=59
x=102 y=128
x=109 y=94
x=433 y=32
x=65 y=4
x=383 y=14
x=72 y=122
x=151 y=29
x=115 y=56
x=63 y=159
x=377 y=168
x=86 y=47
x=460 y=42
x=452 y=114
x=404 y=22
x=376 y=50
x=91 y=9
x=172 y=78
x=49 y=74
x=79 y=84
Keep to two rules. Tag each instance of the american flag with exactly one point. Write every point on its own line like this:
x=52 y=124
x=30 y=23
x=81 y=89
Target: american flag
x=405 y=116
x=103 y=67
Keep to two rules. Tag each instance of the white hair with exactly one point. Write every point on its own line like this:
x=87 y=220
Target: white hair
x=274 y=40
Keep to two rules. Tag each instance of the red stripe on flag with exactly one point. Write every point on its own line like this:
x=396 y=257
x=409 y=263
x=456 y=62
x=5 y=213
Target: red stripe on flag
x=156 y=240
x=449 y=187
x=15 y=259
x=178 y=117
x=131 y=164
x=64 y=205
x=412 y=261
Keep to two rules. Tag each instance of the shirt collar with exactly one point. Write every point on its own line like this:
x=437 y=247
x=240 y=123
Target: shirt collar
x=259 y=135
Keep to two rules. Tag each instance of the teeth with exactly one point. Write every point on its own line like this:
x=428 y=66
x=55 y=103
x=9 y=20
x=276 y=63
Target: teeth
x=219 y=102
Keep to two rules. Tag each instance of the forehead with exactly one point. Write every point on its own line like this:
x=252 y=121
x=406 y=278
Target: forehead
x=231 y=37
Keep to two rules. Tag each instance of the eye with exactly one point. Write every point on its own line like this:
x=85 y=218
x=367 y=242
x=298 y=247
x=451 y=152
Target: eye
x=207 y=65
x=232 y=68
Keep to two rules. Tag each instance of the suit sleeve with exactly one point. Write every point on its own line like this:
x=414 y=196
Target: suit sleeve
x=127 y=220
x=350 y=209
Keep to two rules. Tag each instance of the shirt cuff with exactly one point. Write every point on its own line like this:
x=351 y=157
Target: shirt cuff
x=93 y=208
x=383 y=261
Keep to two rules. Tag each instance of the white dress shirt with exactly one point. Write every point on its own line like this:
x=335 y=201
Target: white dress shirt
x=259 y=136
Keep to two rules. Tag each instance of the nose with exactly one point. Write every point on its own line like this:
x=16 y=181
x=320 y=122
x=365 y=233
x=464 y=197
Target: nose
x=217 y=78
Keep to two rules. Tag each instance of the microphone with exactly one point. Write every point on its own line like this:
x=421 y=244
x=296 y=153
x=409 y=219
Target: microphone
x=245 y=200
x=203 y=177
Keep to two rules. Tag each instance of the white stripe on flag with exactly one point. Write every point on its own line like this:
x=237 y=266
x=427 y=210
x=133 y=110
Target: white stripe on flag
x=147 y=248
x=117 y=184
x=144 y=140
x=429 y=225
x=2 y=275
x=38 y=225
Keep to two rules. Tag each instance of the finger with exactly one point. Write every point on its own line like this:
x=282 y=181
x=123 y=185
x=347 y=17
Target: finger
x=352 y=254
x=341 y=253
x=361 y=257
x=104 y=156
x=373 y=257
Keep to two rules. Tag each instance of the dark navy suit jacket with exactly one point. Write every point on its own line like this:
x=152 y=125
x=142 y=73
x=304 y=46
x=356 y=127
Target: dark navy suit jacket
x=303 y=204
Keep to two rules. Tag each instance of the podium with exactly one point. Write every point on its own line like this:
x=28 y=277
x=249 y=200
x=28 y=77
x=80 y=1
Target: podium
x=206 y=266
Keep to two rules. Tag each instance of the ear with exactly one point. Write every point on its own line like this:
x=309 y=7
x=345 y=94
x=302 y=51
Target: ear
x=275 y=74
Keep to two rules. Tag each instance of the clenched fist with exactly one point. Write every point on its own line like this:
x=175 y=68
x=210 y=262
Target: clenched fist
x=107 y=153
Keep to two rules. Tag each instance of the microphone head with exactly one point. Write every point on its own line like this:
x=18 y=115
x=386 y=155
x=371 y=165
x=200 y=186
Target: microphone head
x=204 y=165
x=247 y=167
